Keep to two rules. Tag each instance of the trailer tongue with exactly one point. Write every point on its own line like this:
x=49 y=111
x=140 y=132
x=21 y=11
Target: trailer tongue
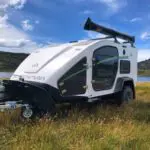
x=24 y=95
x=13 y=105
x=7 y=103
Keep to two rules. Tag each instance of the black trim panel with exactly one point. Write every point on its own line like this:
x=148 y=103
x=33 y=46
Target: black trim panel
x=74 y=80
x=36 y=94
x=107 y=80
x=120 y=83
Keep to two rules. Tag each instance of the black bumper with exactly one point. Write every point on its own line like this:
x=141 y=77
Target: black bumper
x=27 y=92
x=36 y=94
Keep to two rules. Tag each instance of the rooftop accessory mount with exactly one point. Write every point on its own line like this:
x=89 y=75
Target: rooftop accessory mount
x=90 y=25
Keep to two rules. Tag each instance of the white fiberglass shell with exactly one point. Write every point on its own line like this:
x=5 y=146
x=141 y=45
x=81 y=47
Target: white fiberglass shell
x=48 y=65
x=45 y=65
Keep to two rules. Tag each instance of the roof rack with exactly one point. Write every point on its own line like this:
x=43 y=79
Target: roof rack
x=90 y=25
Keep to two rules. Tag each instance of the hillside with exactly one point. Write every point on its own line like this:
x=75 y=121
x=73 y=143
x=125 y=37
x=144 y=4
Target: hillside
x=10 y=61
x=144 y=67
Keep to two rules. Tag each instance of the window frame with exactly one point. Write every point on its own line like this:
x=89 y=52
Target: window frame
x=110 y=46
x=129 y=67
x=59 y=80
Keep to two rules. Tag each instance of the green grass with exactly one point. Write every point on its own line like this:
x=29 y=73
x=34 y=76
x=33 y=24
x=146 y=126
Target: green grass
x=101 y=127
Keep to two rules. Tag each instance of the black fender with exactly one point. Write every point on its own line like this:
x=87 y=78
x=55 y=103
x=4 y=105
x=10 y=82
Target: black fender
x=121 y=82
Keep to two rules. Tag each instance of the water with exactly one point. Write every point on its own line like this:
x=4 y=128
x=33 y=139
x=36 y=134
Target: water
x=143 y=79
x=5 y=74
x=8 y=75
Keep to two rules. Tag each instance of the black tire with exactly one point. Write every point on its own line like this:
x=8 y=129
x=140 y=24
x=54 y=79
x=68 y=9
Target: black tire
x=126 y=95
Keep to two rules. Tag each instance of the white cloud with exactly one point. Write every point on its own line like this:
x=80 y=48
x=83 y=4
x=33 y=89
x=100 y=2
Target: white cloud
x=2 y=7
x=3 y=18
x=113 y=5
x=26 y=25
x=3 y=21
x=136 y=19
x=145 y=35
x=143 y=54
x=14 y=40
x=11 y=38
x=87 y=12
x=13 y=43
x=17 y=4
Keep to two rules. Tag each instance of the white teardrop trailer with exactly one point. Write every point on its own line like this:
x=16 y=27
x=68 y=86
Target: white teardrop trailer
x=87 y=70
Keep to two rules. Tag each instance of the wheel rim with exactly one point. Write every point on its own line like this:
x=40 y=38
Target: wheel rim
x=27 y=113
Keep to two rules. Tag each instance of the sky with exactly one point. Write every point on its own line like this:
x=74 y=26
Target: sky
x=26 y=25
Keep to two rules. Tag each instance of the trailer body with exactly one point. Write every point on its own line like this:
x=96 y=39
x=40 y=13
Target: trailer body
x=84 y=70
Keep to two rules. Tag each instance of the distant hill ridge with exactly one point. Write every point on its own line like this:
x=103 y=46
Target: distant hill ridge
x=144 y=65
x=144 y=68
x=10 y=61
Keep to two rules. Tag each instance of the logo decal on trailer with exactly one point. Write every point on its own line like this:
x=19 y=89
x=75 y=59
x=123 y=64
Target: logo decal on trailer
x=35 y=65
x=124 y=57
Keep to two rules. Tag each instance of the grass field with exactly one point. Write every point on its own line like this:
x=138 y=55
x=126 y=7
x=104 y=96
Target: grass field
x=100 y=127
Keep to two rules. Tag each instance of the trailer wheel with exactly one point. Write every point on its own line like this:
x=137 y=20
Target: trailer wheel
x=27 y=113
x=126 y=95
x=32 y=113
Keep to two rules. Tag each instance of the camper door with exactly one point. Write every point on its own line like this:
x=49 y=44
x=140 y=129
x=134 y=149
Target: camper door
x=104 y=70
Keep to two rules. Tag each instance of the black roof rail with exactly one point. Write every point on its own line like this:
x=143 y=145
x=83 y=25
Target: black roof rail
x=90 y=25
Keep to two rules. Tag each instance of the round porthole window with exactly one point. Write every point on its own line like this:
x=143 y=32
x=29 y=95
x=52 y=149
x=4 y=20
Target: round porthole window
x=124 y=52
